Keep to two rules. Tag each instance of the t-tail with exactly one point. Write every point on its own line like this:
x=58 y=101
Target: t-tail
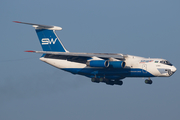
x=47 y=37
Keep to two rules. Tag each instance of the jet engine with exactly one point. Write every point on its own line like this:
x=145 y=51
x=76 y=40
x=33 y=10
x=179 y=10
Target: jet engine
x=117 y=64
x=106 y=64
x=98 y=63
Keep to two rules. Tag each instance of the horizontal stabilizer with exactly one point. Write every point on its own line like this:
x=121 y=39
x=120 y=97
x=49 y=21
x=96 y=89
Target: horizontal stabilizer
x=38 y=26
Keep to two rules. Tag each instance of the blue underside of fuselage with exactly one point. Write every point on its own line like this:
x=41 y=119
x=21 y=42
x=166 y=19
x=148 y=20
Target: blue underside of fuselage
x=109 y=73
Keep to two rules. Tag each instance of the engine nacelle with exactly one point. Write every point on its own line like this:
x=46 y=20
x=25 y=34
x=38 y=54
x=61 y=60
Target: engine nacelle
x=117 y=64
x=98 y=63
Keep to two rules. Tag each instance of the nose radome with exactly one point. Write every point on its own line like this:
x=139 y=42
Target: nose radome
x=173 y=69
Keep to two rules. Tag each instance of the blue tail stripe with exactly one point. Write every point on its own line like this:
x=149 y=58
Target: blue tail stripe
x=49 y=41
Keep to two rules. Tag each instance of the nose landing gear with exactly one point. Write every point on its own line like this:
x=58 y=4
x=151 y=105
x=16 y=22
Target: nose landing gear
x=148 y=81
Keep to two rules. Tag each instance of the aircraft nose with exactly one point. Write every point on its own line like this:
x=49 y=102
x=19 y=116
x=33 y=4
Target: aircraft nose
x=173 y=69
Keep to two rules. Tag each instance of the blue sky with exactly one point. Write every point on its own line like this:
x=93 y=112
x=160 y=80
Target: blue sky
x=31 y=89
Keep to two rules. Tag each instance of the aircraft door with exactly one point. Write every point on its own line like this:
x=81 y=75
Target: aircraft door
x=144 y=68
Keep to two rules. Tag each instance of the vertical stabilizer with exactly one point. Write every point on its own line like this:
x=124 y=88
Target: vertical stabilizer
x=49 y=40
x=47 y=37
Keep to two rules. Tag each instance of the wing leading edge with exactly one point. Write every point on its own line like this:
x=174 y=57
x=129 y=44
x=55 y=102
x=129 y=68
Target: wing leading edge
x=79 y=57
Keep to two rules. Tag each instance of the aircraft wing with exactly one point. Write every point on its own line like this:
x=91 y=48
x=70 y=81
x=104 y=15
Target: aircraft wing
x=79 y=57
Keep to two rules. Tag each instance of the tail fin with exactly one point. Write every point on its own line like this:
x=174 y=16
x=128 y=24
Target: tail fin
x=47 y=37
x=49 y=40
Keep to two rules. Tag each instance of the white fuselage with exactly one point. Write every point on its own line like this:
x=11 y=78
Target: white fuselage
x=150 y=65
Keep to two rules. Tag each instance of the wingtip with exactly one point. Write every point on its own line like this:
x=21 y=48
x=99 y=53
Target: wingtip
x=29 y=51
x=17 y=21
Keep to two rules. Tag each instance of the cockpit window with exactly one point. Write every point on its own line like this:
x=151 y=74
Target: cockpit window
x=166 y=62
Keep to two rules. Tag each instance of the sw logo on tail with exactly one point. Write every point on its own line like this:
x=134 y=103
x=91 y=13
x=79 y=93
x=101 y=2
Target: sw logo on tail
x=108 y=68
x=46 y=41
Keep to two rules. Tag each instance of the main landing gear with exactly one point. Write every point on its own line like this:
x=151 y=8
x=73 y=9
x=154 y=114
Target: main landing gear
x=148 y=81
x=107 y=81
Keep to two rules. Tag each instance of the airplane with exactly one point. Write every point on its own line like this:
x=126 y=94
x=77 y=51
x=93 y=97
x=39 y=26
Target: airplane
x=109 y=68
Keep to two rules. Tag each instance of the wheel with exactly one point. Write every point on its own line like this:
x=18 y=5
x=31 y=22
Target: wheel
x=101 y=79
x=95 y=80
x=119 y=82
x=105 y=80
x=148 y=81
x=110 y=82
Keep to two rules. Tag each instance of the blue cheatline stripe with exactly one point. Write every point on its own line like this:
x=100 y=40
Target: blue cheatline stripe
x=121 y=73
x=49 y=41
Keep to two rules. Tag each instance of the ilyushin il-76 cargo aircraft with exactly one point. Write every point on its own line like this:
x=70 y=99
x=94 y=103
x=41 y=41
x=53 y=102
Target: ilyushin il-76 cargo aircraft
x=108 y=68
